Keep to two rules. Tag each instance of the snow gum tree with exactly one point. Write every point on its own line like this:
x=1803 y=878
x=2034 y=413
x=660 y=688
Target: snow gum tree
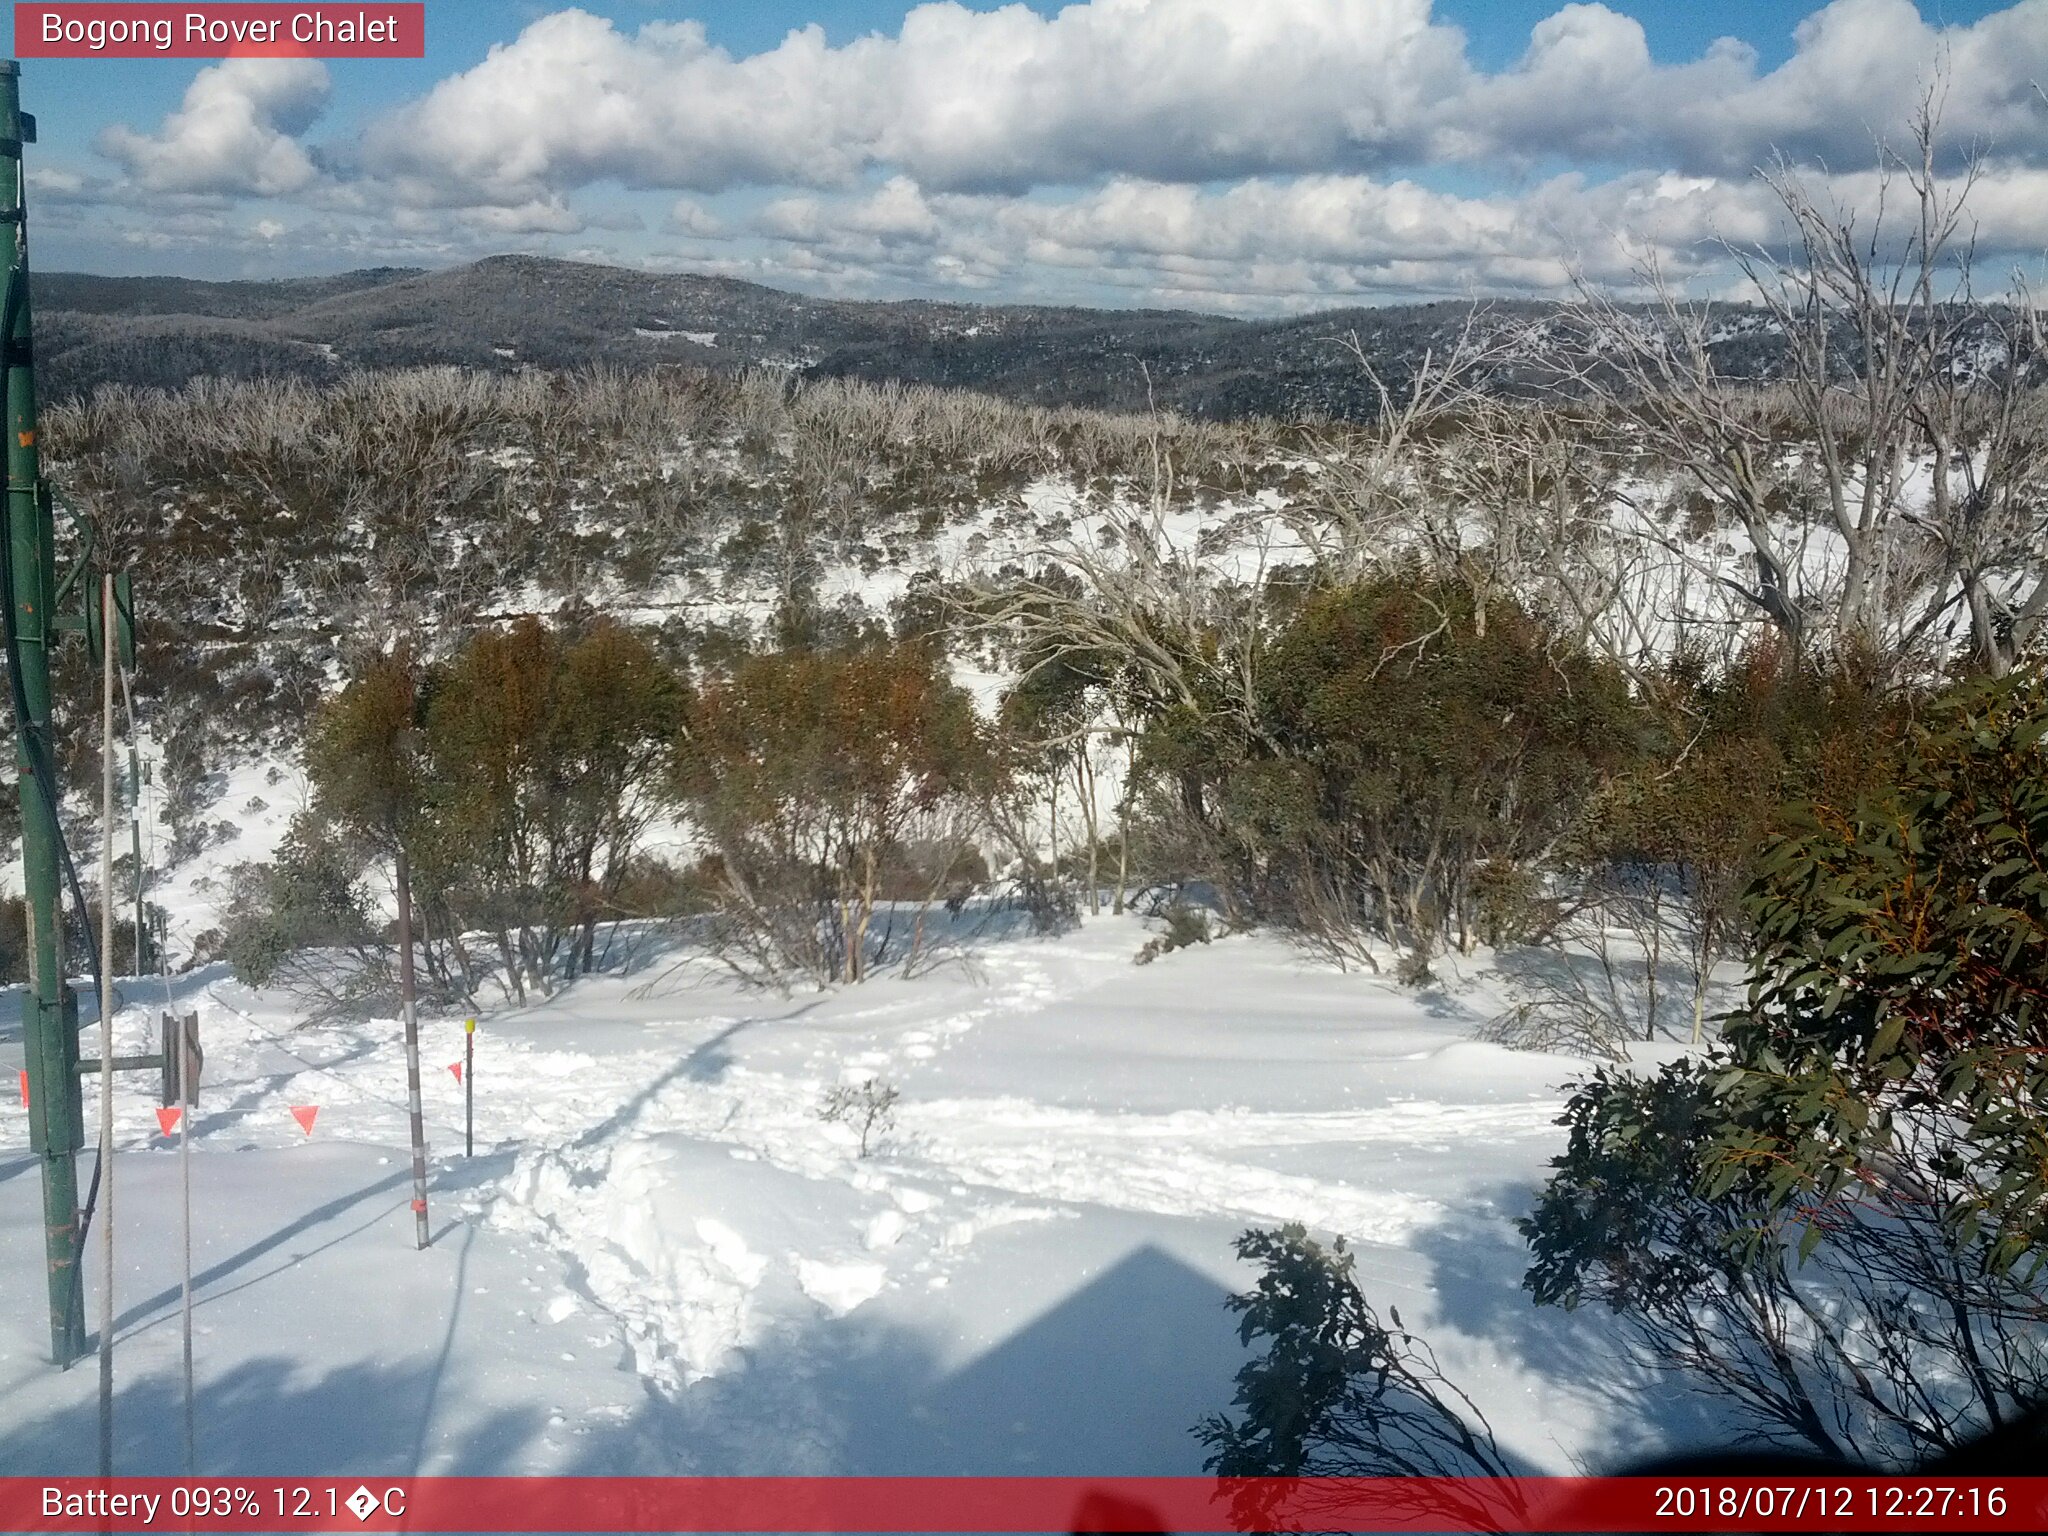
x=1672 y=842
x=810 y=772
x=1403 y=748
x=372 y=784
x=509 y=784
x=548 y=748
x=363 y=756
x=1904 y=431
x=1065 y=714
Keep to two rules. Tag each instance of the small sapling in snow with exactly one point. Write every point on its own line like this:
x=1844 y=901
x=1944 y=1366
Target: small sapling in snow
x=869 y=1107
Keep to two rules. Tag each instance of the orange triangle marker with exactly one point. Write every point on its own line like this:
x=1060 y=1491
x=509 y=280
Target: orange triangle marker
x=24 y=1087
x=456 y=1068
x=304 y=1113
x=167 y=1117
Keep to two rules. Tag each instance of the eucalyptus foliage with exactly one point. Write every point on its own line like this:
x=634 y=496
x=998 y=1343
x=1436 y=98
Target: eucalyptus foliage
x=1832 y=1220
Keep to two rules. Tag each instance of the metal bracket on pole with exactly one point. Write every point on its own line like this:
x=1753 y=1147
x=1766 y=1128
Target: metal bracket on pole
x=178 y=1061
x=181 y=1059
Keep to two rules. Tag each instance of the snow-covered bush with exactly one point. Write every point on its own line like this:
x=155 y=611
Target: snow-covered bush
x=1185 y=925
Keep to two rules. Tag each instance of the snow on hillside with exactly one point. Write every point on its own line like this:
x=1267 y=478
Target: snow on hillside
x=661 y=1259
x=1670 y=581
x=255 y=804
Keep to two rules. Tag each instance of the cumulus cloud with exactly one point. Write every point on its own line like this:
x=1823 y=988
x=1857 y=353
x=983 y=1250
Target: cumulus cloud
x=236 y=132
x=1282 y=241
x=1298 y=241
x=1270 y=153
x=690 y=217
x=1587 y=87
x=60 y=186
x=1184 y=90
x=958 y=99
x=573 y=100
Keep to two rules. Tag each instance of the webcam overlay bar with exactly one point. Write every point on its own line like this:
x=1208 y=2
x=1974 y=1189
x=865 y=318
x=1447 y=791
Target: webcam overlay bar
x=1706 y=1502
x=219 y=31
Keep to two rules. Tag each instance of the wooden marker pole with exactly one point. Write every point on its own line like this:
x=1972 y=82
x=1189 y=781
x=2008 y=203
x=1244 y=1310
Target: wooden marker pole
x=107 y=1052
x=188 y=1097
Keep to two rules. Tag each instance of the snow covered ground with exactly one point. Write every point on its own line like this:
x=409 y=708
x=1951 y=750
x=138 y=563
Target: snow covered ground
x=661 y=1259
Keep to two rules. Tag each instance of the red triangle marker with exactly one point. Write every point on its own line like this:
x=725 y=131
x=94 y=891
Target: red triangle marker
x=167 y=1117
x=304 y=1113
x=456 y=1068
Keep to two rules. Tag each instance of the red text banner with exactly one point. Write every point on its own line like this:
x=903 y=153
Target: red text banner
x=1021 y=1504
x=218 y=31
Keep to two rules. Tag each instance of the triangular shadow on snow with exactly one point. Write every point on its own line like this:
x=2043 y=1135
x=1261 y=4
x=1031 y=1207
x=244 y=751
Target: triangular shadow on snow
x=1105 y=1382
x=1108 y=1381
x=1115 y=1375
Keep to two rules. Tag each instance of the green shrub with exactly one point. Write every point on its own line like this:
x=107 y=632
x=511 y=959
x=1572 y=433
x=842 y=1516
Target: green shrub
x=1834 y=1221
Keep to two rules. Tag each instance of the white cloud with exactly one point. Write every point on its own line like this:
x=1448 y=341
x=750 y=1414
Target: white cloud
x=572 y=100
x=1183 y=90
x=1165 y=89
x=895 y=213
x=1270 y=152
x=236 y=132
x=1303 y=240
x=690 y=217
x=958 y=99
x=1587 y=87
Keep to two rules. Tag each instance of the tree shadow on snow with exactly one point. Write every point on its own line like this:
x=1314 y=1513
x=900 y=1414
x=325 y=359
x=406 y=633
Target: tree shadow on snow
x=256 y=1095
x=1615 y=991
x=268 y=1416
x=706 y=1062
x=1477 y=1260
x=906 y=938
x=1106 y=1382
x=234 y=1267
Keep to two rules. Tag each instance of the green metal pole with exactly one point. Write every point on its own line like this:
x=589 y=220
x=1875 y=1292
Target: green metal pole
x=49 y=1009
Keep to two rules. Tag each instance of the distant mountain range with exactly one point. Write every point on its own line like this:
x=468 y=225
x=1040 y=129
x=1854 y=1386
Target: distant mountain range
x=513 y=311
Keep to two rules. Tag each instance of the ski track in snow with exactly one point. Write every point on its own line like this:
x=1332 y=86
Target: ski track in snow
x=1163 y=1163
x=690 y=1295
x=687 y=1295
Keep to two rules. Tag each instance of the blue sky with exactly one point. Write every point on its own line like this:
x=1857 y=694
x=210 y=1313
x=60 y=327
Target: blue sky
x=1245 y=157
